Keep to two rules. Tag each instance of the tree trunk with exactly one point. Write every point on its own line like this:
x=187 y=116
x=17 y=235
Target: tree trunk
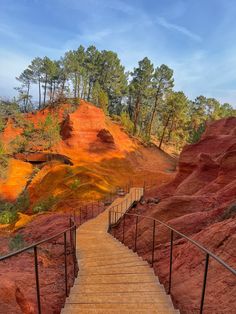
x=89 y=90
x=164 y=131
x=53 y=91
x=152 y=116
x=27 y=98
x=63 y=85
x=136 y=114
x=39 y=93
x=45 y=90
x=171 y=129
x=50 y=97
x=75 y=86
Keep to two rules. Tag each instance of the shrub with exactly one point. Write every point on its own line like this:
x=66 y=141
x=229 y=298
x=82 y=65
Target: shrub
x=230 y=212
x=2 y=124
x=50 y=131
x=16 y=243
x=75 y=184
x=3 y=161
x=44 y=205
x=126 y=122
x=8 y=216
x=22 y=202
x=29 y=130
x=18 y=145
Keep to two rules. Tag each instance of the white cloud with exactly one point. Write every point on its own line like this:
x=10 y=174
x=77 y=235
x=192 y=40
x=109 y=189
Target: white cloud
x=181 y=29
x=11 y=65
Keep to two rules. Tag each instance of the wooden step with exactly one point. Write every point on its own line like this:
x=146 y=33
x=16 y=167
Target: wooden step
x=112 y=278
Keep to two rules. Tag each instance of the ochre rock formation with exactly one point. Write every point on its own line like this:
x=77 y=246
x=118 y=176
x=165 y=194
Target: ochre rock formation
x=199 y=202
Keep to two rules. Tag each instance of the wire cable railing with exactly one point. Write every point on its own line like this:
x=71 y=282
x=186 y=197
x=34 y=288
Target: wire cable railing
x=117 y=217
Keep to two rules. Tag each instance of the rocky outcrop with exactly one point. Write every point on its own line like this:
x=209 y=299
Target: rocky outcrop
x=40 y=157
x=105 y=136
x=198 y=203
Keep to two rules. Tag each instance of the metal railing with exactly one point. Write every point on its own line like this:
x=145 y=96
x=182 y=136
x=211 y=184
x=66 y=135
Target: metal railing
x=79 y=217
x=117 y=218
x=72 y=233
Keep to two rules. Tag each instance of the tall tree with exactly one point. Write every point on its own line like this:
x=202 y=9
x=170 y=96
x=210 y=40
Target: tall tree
x=162 y=82
x=26 y=78
x=112 y=77
x=140 y=87
x=36 y=67
x=174 y=117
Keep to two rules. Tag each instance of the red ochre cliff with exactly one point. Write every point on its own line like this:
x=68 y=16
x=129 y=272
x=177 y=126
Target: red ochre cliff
x=201 y=203
x=93 y=157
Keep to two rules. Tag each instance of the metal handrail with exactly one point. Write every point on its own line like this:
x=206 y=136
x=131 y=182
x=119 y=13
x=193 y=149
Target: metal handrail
x=208 y=254
x=35 y=244
x=72 y=230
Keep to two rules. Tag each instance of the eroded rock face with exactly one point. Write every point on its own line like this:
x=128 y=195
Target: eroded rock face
x=40 y=157
x=17 y=277
x=105 y=136
x=196 y=203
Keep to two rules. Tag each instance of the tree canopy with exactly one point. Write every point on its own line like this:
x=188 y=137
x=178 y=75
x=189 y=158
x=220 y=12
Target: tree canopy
x=144 y=99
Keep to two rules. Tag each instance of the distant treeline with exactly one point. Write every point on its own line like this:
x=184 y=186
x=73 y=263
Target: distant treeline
x=144 y=99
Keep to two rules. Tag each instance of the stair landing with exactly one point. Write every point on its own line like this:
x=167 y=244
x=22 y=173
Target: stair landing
x=112 y=278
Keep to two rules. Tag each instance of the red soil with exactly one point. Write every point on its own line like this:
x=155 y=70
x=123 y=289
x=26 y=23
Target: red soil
x=103 y=157
x=17 y=277
x=196 y=203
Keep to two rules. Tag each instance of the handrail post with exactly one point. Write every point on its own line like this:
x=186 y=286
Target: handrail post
x=37 y=278
x=136 y=234
x=123 y=229
x=171 y=257
x=204 y=283
x=153 y=240
x=65 y=261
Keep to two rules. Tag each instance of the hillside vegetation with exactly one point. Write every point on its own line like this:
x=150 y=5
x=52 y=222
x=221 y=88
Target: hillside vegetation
x=144 y=99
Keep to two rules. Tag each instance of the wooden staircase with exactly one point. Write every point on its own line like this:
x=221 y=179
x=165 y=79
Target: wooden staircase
x=112 y=278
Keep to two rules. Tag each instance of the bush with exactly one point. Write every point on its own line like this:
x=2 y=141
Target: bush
x=126 y=122
x=44 y=205
x=2 y=124
x=23 y=202
x=8 y=216
x=50 y=131
x=16 y=243
x=3 y=161
x=18 y=145
x=29 y=130
x=75 y=184
x=230 y=212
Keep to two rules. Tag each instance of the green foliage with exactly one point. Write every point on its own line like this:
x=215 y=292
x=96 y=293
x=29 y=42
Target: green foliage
x=18 y=145
x=9 y=211
x=195 y=135
x=16 y=243
x=8 y=108
x=100 y=97
x=2 y=124
x=29 y=130
x=22 y=203
x=126 y=122
x=99 y=76
x=44 y=205
x=8 y=215
x=3 y=161
x=50 y=131
x=75 y=184
x=229 y=212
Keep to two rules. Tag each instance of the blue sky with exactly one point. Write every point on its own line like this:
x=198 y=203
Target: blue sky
x=194 y=37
